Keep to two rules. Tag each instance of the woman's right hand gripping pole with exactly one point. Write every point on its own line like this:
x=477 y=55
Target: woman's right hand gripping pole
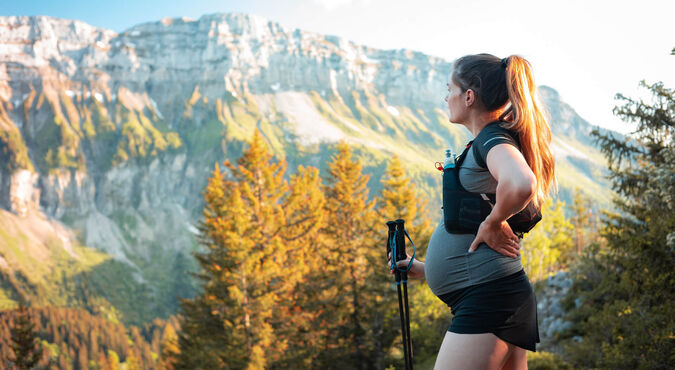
x=416 y=270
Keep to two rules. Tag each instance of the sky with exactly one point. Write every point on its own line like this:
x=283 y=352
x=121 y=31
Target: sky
x=588 y=50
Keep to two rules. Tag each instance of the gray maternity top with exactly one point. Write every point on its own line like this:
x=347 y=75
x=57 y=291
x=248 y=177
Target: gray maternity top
x=448 y=266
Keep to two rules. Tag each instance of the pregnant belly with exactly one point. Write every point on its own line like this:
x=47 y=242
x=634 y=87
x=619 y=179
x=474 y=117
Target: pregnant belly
x=448 y=265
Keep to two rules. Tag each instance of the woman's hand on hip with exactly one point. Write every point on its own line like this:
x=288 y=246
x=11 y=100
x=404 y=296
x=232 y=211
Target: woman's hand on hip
x=498 y=236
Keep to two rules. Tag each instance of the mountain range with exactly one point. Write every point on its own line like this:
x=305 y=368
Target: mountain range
x=107 y=140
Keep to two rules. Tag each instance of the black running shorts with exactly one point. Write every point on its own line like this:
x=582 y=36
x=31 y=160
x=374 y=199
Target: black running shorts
x=505 y=307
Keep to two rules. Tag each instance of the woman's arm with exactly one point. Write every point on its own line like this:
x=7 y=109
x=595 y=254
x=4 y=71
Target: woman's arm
x=516 y=185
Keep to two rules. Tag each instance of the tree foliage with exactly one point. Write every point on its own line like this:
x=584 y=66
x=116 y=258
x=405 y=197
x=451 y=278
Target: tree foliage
x=548 y=247
x=349 y=254
x=294 y=272
x=252 y=230
x=624 y=292
x=584 y=221
x=75 y=339
x=429 y=317
x=25 y=344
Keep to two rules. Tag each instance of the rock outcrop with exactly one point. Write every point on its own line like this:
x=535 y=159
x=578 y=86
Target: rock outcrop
x=550 y=310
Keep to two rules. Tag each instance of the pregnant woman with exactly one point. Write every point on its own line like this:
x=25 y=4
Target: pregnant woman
x=478 y=272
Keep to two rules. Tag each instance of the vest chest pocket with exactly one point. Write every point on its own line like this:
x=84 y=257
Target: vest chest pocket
x=469 y=212
x=461 y=209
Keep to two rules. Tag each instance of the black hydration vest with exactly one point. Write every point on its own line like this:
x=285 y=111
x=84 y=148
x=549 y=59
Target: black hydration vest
x=464 y=211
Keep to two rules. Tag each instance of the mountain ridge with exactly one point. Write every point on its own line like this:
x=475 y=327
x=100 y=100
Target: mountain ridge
x=114 y=135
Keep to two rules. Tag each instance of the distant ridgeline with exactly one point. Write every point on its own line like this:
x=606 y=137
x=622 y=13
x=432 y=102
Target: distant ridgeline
x=75 y=339
x=114 y=136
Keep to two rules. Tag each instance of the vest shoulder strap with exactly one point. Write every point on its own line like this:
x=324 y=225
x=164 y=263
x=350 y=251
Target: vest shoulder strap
x=462 y=156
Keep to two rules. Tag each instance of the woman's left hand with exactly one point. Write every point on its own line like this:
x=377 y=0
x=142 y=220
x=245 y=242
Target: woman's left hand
x=498 y=236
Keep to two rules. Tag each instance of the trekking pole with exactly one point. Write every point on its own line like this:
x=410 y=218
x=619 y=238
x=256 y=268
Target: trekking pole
x=400 y=241
x=397 y=249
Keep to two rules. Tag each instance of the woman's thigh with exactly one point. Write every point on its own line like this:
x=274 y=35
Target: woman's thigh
x=472 y=351
x=517 y=360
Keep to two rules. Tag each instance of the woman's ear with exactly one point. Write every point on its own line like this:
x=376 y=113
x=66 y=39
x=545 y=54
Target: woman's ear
x=469 y=98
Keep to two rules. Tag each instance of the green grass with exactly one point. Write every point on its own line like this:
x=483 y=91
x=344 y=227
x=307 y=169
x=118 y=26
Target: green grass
x=140 y=138
x=13 y=150
x=363 y=115
x=125 y=135
x=327 y=111
x=205 y=138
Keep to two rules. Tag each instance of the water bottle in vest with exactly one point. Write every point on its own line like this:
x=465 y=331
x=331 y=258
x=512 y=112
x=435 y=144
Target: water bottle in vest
x=449 y=160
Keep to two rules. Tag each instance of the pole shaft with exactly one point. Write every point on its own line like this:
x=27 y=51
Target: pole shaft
x=402 y=312
x=407 y=322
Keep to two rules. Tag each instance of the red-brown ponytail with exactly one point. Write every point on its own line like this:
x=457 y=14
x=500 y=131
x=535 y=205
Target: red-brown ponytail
x=509 y=80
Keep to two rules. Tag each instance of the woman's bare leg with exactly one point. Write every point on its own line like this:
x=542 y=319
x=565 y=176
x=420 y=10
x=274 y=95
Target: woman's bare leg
x=473 y=351
x=517 y=360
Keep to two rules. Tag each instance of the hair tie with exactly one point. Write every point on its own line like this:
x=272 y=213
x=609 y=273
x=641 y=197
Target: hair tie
x=504 y=62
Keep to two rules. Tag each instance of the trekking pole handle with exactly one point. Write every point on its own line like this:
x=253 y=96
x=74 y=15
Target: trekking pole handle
x=390 y=235
x=400 y=240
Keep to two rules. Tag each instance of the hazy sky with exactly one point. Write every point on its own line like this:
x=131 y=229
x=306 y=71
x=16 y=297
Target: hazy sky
x=587 y=50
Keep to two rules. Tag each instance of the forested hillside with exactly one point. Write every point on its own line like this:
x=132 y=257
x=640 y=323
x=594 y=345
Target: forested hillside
x=75 y=339
x=223 y=205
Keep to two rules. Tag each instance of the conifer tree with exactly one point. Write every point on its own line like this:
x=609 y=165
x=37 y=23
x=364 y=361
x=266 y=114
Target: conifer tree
x=548 y=247
x=401 y=199
x=351 y=256
x=169 y=348
x=113 y=360
x=63 y=362
x=103 y=362
x=132 y=361
x=580 y=219
x=243 y=318
x=584 y=220
x=206 y=340
x=25 y=343
x=623 y=297
x=83 y=358
x=306 y=216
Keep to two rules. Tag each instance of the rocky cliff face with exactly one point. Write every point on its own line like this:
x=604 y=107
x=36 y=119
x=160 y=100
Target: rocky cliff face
x=115 y=134
x=221 y=53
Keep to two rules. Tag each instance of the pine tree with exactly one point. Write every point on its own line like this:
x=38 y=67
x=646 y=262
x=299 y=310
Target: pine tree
x=548 y=247
x=169 y=348
x=103 y=362
x=305 y=218
x=401 y=199
x=63 y=361
x=206 y=339
x=351 y=255
x=244 y=317
x=25 y=343
x=623 y=297
x=132 y=361
x=82 y=358
x=580 y=219
x=113 y=360
x=584 y=220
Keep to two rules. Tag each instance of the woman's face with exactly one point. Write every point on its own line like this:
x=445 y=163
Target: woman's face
x=456 y=105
